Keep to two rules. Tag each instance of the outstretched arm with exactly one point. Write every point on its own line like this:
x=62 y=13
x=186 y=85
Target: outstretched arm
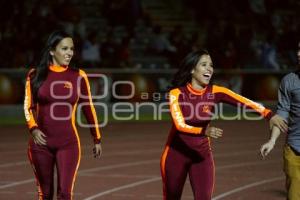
x=227 y=96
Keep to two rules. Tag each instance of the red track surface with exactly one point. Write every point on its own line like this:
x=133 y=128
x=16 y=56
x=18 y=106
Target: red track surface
x=129 y=168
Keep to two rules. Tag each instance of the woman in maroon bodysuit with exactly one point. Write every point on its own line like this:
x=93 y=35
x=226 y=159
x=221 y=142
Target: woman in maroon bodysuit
x=53 y=92
x=188 y=150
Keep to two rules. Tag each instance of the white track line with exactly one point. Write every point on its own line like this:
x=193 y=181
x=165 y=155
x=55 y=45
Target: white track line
x=124 y=153
x=119 y=166
x=124 y=195
x=122 y=188
x=16 y=183
x=225 y=194
x=129 y=153
x=154 y=196
x=13 y=164
x=84 y=171
x=7 y=192
x=246 y=164
x=158 y=178
x=101 y=175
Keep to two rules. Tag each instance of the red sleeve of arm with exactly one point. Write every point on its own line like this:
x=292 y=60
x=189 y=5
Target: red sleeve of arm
x=177 y=116
x=227 y=96
x=29 y=105
x=88 y=107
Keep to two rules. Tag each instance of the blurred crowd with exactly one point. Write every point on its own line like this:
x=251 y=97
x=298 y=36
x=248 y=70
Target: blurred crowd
x=239 y=34
x=261 y=33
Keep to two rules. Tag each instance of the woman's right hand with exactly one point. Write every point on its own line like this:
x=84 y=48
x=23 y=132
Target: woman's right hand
x=214 y=132
x=38 y=137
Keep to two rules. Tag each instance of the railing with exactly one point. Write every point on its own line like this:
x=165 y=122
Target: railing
x=139 y=90
x=257 y=84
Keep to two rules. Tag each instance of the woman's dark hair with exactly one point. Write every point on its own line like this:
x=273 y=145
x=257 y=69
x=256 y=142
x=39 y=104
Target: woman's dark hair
x=41 y=72
x=183 y=75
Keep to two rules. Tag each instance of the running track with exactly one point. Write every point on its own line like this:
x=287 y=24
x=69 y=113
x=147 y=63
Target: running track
x=129 y=168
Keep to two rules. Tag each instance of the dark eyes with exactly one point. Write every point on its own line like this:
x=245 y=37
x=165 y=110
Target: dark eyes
x=204 y=64
x=66 y=48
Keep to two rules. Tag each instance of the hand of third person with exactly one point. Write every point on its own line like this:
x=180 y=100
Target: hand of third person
x=278 y=121
x=214 y=132
x=266 y=148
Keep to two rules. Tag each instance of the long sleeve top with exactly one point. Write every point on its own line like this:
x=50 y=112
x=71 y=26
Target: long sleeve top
x=288 y=107
x=54 y=110
x=192 y=110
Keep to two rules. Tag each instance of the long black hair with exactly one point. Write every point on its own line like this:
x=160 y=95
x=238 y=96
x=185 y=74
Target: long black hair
x=41 y=72
x=183 y=75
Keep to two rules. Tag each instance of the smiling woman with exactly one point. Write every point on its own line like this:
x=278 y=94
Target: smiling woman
x=202 y=73
x=63 y=53
x=192 y=101
x=53 y=92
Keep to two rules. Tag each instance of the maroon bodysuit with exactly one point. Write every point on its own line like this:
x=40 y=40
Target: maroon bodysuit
x=54 y=113
x=188 y=150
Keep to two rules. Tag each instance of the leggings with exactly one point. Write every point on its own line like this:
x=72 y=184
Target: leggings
x=178 y=161
x=43 y=160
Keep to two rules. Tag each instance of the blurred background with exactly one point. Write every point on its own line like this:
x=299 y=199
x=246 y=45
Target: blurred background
x=253 y=43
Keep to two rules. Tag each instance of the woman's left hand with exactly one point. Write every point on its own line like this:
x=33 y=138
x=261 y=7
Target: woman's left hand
x=97 y=150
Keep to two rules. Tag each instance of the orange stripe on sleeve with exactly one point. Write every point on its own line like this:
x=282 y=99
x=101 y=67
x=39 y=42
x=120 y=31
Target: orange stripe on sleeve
x=28 y=105
x=97 y=130
x=234 y=98
x=177 y=116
